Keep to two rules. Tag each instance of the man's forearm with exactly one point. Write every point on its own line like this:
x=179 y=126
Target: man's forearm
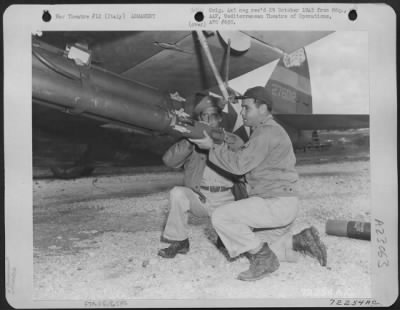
x=177 y=154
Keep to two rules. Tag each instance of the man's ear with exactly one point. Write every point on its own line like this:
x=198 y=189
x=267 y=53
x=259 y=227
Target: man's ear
x=263 y=108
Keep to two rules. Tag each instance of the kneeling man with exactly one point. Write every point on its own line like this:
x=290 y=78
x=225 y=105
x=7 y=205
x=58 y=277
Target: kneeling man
x=268 y=162
x=206 y=186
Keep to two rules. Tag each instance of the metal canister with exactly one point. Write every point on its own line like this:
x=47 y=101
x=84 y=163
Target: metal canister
x=350 y=229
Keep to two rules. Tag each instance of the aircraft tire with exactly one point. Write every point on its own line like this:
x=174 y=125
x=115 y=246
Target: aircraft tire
x=72 y=172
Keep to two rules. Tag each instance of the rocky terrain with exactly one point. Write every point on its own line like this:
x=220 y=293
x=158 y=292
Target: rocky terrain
x=98 y=237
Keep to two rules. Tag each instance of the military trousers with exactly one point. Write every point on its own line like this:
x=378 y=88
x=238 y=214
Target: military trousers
x=183 y=200
x=245 y=224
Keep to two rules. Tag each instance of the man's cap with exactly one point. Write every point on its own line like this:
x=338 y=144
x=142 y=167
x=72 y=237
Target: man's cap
x=259 y=93
x=207 y=102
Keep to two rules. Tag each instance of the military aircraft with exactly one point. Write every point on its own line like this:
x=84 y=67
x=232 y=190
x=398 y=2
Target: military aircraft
x=138 y=89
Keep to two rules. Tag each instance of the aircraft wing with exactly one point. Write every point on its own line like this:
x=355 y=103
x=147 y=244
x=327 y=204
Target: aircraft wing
x=287 y=41
x=173 y=60
x=187 y=71
x=324 y=121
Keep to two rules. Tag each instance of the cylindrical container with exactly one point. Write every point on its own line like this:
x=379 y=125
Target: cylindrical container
x=351 y=229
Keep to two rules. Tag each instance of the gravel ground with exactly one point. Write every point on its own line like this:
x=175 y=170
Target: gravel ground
x=98 y=238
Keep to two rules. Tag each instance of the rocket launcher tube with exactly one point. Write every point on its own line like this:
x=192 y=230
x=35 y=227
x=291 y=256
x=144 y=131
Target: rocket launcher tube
x=72 y=96
x=96 y=92
x=55 y=66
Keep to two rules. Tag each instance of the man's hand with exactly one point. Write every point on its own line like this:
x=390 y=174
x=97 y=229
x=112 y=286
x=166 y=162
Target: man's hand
x=234 y=142
x=205 y=143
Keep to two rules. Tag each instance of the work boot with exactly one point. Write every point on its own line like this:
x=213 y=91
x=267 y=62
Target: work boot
x=176 y=247
x=262 y=263
x=309 y=243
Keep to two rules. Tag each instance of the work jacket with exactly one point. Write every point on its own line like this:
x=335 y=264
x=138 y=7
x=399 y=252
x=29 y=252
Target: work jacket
x=194 y=160
x=267 y=160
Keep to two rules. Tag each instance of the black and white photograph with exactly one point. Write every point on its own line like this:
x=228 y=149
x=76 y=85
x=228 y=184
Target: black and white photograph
x=204 y=163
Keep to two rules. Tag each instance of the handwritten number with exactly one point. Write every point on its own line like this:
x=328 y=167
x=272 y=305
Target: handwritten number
x=381 y=248
x=357 y=303
x=382 y=240
x=384 y=264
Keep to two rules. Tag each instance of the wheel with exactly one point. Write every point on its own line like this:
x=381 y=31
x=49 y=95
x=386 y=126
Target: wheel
x=72 y=172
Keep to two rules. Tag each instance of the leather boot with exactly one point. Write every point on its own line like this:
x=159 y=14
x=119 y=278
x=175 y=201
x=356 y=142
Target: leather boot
x=176 y=247
x=309 y=243
x=262 y=263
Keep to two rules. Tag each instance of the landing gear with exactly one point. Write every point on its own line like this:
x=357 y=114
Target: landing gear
x=80 y=168
x=315 y=138
x=73 y=172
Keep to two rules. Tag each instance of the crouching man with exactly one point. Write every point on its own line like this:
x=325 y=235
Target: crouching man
x=206 y=186
x=268 y=162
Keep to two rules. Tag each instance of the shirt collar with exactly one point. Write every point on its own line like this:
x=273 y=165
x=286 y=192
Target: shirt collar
x=266 y=121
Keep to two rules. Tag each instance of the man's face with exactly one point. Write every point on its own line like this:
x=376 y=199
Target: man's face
x=211 y=117
x=251 y=113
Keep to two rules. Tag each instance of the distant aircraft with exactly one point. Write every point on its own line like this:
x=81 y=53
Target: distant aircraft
x=90 y=85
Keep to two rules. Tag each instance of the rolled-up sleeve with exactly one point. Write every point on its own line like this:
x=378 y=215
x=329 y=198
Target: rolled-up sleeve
x=248 y=157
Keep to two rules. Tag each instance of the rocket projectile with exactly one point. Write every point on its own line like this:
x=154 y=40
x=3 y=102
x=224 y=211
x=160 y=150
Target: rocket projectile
x=190 y=128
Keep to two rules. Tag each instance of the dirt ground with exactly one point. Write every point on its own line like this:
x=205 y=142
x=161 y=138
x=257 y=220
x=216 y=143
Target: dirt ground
x=98 y=237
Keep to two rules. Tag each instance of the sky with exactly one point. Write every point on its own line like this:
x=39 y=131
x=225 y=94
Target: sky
x=338 y=67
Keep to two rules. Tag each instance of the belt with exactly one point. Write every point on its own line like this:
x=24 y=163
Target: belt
x=215 y=189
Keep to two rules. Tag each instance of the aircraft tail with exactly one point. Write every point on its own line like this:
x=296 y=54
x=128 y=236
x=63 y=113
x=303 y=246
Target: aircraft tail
x=288 y=82
x=289 y=85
